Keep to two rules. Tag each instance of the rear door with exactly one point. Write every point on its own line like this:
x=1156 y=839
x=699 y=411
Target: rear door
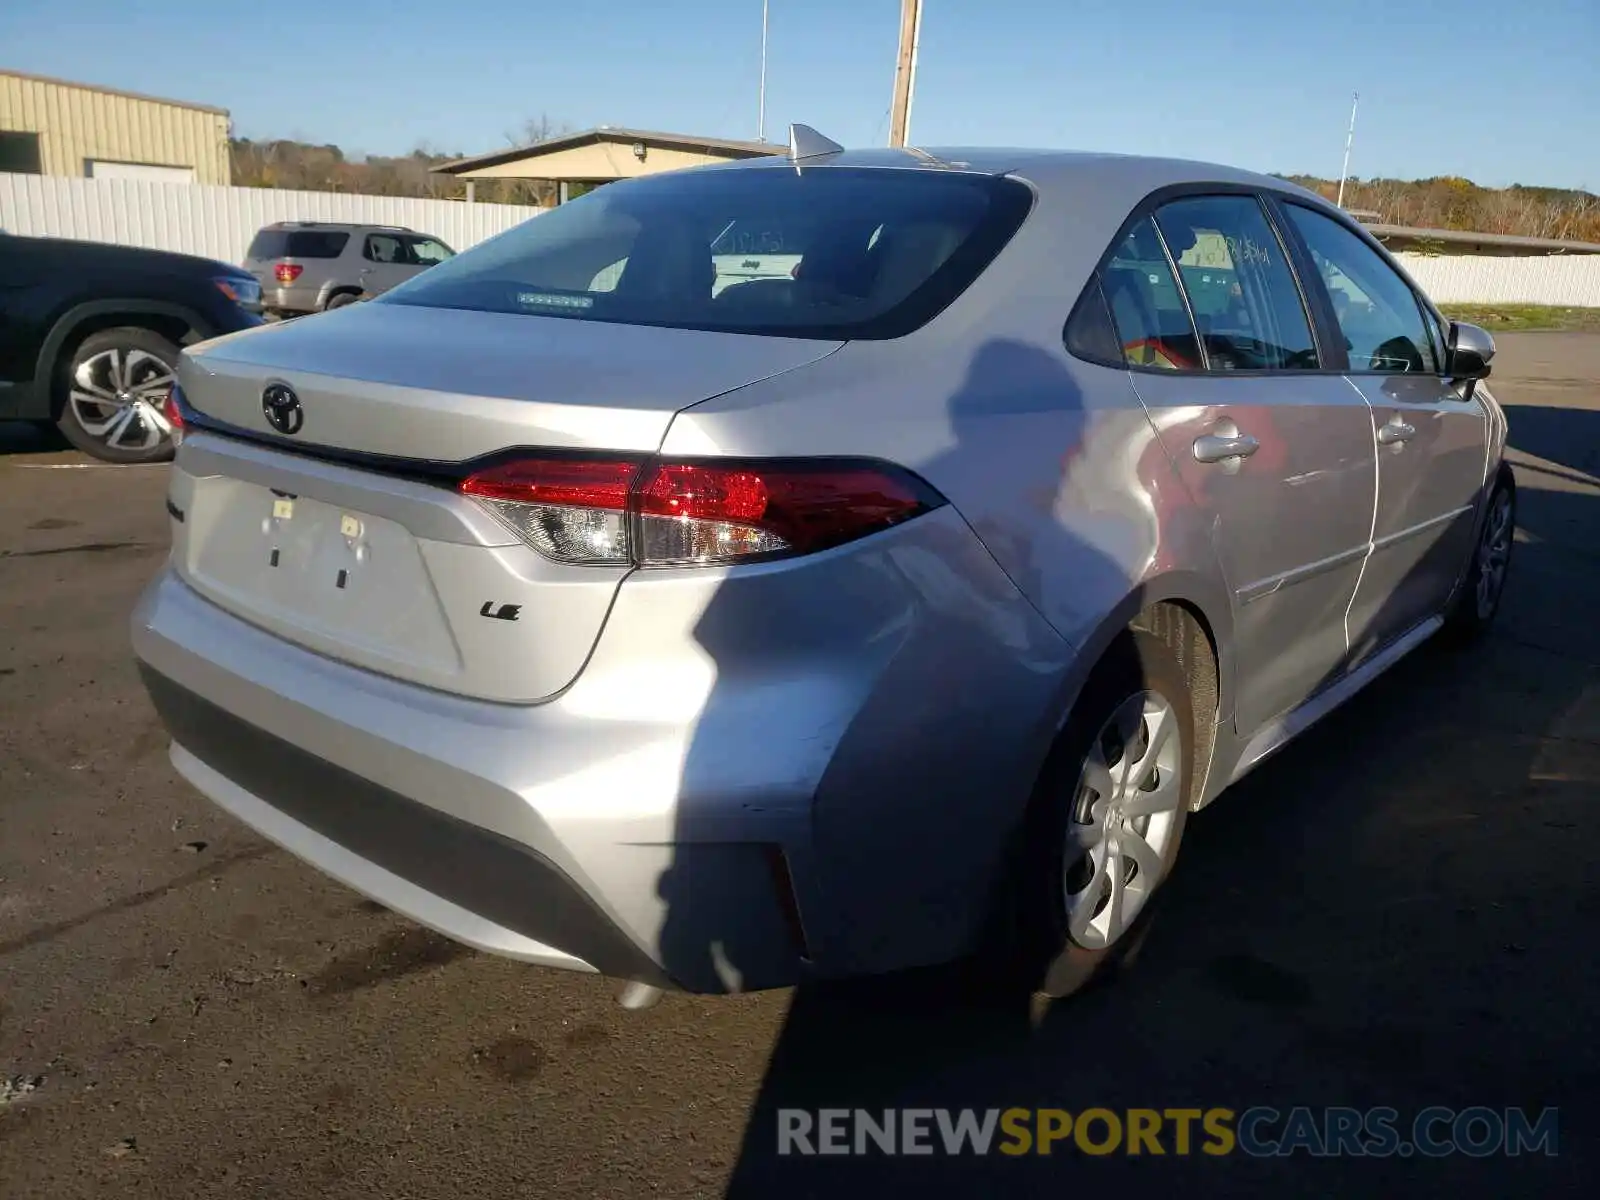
x=1273 y=446
x=1431 y=441
x=21 y=327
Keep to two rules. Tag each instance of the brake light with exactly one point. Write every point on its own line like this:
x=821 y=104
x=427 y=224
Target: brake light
x=662 y=513
x=172 y=411
x=287 y=272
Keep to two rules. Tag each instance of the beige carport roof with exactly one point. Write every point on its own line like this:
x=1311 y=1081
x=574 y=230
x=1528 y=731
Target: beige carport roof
x=605 y=154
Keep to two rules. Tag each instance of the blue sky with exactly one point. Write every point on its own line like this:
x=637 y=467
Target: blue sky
x=1500 y=92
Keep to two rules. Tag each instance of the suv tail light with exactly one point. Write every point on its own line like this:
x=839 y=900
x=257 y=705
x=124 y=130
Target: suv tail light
x=666 y=513
x=287 y=272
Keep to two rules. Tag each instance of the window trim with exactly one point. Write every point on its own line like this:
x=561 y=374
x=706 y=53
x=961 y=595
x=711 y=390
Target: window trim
x=1432 y=318
x=1188 y=305
x=1313 y=298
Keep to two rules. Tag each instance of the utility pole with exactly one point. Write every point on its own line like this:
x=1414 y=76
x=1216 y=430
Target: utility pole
x=1350 y=137
x=905 y=72
x=761 y=119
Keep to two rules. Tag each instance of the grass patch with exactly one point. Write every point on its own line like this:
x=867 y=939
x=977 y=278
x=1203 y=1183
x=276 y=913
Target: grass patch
x=1524 y=317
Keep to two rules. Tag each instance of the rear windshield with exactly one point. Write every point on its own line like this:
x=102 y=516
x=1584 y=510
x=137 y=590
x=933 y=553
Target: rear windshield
x=298 y=243
x=826 y=252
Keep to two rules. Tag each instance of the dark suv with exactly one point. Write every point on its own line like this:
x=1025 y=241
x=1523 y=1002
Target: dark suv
x=90 y=335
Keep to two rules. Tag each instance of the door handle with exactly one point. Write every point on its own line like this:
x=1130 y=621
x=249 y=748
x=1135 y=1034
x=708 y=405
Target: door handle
x=1395 y=432
x=1212 y=448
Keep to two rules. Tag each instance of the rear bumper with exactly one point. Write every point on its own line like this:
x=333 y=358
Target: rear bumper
x=781 y=774
x=290 y=299
x=475 y=885
x=523 y=831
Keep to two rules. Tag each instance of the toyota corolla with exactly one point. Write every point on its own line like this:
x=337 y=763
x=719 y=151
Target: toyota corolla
x=600 y=603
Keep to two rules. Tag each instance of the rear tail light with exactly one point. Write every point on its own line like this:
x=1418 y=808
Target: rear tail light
x=172 y=410
x=571 y=510
x=287 y=272
x=664 y=513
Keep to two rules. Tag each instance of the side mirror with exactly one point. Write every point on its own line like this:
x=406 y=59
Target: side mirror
x=1471 y=348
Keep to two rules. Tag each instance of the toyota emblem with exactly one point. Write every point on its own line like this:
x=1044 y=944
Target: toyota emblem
x=282 y=408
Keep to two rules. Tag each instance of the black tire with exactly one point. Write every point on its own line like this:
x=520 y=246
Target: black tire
x=150 y=352
x=340 y=300
x=1039 y=950
x=1474 y=606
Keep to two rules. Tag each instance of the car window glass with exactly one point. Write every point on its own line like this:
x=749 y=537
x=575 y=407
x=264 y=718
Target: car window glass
x=605 y=279
x=1246 y=304
x=1147 y=308
x=842 y=253
x=385 y=248
x=427 y=251
x=1090 y=334
x=298 y=243
x=1378 y=314
x=759 y=248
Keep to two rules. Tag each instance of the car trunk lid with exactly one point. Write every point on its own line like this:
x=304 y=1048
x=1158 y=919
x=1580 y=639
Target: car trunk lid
x=348 y=536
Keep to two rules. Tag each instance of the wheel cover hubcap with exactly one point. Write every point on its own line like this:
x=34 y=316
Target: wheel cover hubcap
x=1494 y=553
x=117 y=397
x=1124 y=816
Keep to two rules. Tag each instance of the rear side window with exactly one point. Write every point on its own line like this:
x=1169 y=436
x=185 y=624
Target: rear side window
x=1383 y=325
x=298 y=243
x=1090 y=334
x=825 y=252
x=1147 y=308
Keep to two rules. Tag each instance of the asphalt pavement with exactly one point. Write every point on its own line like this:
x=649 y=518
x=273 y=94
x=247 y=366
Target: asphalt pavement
x=1400 y=911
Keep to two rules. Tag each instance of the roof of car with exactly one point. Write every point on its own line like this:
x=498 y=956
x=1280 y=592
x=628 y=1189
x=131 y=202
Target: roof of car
x=1106 y=171
x=337 y=225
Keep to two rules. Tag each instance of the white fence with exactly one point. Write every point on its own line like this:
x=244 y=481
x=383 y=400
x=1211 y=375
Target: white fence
x=1565 y=279
x=218 y=222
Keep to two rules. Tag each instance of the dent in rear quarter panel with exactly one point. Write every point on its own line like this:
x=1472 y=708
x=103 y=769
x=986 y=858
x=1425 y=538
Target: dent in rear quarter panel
x=1052 y=462
x=874 y=709
x=1065 y=509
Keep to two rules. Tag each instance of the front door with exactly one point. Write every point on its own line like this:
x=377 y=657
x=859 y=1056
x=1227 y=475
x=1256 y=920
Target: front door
x=1430 y=441
x=1275 y=450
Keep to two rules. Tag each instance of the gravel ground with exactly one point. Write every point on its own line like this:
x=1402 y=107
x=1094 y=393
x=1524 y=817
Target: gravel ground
x=1393 y=912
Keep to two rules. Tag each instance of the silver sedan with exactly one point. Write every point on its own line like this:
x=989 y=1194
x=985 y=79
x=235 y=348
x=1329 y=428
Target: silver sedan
x=608 y=602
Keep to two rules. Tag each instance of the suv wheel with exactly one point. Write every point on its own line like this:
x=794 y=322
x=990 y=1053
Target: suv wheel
x=116 y=385
x=342 y=299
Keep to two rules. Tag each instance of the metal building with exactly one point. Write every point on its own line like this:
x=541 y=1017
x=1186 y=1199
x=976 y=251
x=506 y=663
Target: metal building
x=52 y=127
x=598 y=156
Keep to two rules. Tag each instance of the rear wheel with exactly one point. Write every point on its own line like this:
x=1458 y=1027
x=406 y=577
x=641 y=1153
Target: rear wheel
x=115 y=387
x=1106 y=818
x=342 y=299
